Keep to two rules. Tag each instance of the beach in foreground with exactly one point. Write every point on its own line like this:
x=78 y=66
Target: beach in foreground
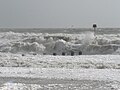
x=11 y=83
x=58 y=79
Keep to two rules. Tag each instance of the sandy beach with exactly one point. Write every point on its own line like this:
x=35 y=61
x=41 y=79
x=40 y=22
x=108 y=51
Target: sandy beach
x=55 y=84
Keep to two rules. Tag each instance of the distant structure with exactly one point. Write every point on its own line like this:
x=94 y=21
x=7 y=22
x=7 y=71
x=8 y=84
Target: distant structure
x=94 y=27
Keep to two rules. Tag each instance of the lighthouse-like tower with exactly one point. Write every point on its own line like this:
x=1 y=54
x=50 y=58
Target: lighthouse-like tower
x=95 y=28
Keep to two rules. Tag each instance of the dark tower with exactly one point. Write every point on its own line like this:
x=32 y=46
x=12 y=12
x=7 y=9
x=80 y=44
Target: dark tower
x=94 y=27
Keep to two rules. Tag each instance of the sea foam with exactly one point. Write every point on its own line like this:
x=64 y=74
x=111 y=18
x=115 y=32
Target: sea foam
x=39 y=43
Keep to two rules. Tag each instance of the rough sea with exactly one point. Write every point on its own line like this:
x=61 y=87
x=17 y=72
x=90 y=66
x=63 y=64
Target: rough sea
x=60 y=41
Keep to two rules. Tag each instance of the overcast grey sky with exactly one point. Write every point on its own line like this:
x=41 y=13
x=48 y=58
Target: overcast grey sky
x=59 y=13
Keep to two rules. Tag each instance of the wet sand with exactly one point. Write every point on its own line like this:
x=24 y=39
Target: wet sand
x=62 y=84
x=44 y=81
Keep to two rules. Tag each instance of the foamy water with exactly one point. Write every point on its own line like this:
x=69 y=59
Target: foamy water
x=44 y=43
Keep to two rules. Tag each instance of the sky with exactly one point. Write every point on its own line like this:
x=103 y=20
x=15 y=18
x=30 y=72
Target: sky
x=59 y=13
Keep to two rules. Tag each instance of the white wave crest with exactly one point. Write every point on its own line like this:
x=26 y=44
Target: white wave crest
x=40 y=43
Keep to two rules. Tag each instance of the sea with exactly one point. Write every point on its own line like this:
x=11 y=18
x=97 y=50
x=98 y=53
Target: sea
x=60 y=41
x=62 y=30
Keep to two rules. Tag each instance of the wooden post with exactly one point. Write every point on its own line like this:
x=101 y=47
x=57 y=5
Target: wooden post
x=72 y=53
x=80 y=52
x=63 y=53
x=54 y=54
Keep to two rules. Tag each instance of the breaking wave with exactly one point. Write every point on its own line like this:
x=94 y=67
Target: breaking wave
x=39 y=43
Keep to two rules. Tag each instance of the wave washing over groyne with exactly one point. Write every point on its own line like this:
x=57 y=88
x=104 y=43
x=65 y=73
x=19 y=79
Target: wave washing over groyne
x=60 y=43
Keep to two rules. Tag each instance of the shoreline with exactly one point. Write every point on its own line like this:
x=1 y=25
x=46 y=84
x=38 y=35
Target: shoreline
x=54 y=84
x=61 y=74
